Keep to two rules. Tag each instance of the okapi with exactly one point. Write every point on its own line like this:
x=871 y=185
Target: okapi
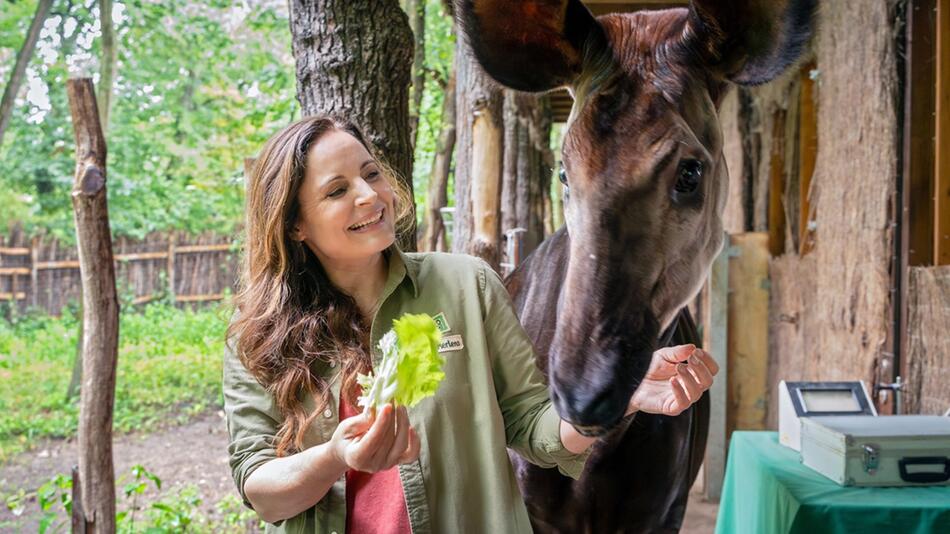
x=645 y=188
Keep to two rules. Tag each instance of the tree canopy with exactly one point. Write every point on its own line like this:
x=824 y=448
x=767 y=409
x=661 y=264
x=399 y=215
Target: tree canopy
x=199 y=86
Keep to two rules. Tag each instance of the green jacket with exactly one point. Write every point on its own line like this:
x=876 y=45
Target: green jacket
x=492 y=397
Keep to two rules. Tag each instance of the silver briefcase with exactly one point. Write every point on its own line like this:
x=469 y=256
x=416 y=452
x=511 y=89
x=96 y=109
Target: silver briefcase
x=861 y=450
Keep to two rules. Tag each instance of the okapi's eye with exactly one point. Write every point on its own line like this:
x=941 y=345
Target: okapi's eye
x=688 y=176
x=562 y=175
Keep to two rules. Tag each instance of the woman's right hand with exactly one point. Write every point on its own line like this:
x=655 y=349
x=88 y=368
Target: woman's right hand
x=372 y=444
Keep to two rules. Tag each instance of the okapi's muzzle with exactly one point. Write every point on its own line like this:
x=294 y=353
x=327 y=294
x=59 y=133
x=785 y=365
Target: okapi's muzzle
x=593 y=375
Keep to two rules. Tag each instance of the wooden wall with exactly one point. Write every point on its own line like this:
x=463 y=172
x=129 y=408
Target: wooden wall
x=830 y=302
x=928 y=325
x=44 y=274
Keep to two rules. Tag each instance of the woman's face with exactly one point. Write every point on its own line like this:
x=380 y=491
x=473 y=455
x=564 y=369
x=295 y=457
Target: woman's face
x=347 y=211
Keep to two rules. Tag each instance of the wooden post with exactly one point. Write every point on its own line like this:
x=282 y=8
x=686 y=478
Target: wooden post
x=34 y=278
x=747 y=348
x=13 y=294
x=715 y=340
x=476 y=224
x=942 y=164
x=100 y=310
x=170 y=266
x=77 y=520
x=486 y=185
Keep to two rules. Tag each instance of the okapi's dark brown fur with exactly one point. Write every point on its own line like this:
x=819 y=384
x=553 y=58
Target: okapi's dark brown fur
x=645 y=188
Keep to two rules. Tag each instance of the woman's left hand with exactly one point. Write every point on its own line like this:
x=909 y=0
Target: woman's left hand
x=677 y=378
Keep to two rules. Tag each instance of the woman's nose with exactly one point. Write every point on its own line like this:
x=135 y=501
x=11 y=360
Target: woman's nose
x=365 y=193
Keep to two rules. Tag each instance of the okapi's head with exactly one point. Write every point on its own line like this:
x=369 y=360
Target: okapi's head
x=644 y=175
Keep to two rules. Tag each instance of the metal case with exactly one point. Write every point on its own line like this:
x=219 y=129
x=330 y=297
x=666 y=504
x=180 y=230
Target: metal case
x=902 y=450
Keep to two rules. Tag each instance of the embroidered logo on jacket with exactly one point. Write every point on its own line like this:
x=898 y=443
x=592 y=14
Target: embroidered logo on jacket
x=441 y=323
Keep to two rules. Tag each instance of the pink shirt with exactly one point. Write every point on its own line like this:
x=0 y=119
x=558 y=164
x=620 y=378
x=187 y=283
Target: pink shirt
x=375 y=503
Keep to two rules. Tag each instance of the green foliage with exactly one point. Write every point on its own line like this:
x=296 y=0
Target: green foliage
x=15 y=19
x=440 y=47
x=199 y=87
x=173 y=511
x=169 y=370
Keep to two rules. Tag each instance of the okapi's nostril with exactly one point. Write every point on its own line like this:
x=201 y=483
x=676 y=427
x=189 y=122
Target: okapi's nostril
x=580 y=408
x=601 y=410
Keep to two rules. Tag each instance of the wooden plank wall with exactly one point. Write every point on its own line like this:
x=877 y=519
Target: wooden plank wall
x=791 y=321
x=829 y=310
x=928 y=354
x=748 y=331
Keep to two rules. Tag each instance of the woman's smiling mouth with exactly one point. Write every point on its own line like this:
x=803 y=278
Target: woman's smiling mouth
x=368 y=223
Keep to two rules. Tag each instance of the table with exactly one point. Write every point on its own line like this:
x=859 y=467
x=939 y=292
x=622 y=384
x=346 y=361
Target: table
x=767 y=490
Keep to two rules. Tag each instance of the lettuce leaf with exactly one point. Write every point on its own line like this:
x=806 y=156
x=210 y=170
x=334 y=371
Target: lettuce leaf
x=411 y=367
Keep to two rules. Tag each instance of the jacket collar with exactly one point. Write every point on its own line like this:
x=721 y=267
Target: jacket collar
x=401 y=267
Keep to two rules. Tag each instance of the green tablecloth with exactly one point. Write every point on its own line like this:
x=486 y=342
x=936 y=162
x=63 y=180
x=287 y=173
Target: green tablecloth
x=768 y=491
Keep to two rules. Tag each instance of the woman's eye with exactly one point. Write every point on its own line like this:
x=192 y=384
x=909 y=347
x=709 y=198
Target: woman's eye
x=337 y=193
x=372 y=176
x=562 y=175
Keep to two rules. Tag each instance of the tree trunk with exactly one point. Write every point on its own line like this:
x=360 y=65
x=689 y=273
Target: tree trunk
x=437 y=195
x=108 y=65
x=528 y=167
x=353 y=60
x=416 y=9
x=22 y=60
x=100 y=310
x=476 y=226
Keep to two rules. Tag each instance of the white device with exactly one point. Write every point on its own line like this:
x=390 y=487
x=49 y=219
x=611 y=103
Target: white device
x=807 y=399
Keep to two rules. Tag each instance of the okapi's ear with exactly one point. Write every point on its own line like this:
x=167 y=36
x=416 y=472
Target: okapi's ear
x=749 y=41
x=530 y=45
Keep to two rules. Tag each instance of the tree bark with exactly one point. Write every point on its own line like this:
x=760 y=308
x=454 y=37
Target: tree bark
x=76 y=378
x=108 y=65
x=416 y=9
x=22 y=60
x=353 y=60
x=100 y=310
x=437 y=195
x=528 y=167
x=476 y=223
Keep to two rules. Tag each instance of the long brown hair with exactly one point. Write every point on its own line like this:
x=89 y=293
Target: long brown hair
x=291 y=314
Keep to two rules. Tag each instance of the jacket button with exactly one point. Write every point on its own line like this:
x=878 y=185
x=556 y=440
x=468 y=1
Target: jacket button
x=332 y=364
x=328 y=413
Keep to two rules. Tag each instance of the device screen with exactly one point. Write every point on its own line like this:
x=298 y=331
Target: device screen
x=830 y=400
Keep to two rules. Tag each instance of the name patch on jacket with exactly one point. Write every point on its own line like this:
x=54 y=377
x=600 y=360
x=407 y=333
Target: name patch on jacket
x=451 y=344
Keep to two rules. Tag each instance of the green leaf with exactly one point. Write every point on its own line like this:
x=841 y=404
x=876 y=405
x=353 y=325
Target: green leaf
x=411 y=367
x=419 y=372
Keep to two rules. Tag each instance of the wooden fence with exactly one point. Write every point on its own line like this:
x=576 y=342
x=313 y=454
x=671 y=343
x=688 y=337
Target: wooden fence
x=44 y=274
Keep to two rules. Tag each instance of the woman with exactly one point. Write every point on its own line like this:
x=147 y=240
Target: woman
x=322 y=282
